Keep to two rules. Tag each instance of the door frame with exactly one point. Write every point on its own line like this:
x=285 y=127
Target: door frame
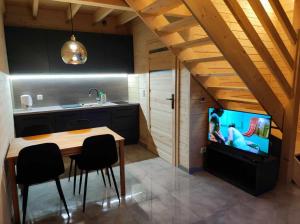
x=175 y=115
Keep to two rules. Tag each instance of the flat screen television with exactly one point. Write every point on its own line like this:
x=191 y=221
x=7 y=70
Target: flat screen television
x=239 y=130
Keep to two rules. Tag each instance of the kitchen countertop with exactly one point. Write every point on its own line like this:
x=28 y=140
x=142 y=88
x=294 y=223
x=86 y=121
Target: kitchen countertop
x=61 y=108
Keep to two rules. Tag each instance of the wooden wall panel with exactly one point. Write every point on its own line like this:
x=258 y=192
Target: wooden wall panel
x=141 y=36
x=6 y=124
x=184 y=113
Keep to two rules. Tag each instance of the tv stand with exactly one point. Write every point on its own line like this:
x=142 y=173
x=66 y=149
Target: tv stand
x=252 y=174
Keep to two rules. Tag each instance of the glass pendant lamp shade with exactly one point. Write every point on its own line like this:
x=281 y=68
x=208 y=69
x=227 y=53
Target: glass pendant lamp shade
x=73 y=52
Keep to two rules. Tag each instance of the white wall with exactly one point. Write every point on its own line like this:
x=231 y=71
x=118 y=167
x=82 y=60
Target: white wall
x=6 y=125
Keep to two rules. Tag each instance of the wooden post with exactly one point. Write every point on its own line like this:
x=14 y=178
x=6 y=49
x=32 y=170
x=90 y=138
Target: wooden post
x=296 y=21
x=291 y=112
x=290 y=124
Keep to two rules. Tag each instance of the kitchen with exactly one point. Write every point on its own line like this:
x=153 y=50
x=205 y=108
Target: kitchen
x=51 y=95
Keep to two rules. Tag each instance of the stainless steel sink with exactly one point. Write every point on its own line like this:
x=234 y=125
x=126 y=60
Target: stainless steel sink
x=71 y=106
x=87 y=105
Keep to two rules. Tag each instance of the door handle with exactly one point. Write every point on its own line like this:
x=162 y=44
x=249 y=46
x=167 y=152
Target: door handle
x=172 y=99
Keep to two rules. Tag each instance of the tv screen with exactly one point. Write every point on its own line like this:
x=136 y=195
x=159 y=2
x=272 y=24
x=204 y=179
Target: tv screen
x=240 y=130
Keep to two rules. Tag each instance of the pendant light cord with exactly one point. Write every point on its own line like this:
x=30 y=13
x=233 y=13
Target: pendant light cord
x=71 y=18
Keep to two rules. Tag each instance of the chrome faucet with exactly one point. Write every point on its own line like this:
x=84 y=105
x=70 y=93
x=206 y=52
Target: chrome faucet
x=97 y=92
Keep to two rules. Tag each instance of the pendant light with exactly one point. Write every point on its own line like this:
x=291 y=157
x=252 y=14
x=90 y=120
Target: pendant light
x=73 y=52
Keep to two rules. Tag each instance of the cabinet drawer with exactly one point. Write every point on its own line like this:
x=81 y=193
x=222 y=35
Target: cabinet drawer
x=125 y=112
x=125 y=122
x=33 y=125
x=67 y=121
x=97 y=118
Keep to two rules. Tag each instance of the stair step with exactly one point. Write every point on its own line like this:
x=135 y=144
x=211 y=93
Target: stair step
x=239 y=100
x=228 y=87
x=203 y=60
x=160 y=7
x=214 y=75
x=177 y=26
x=193 y=43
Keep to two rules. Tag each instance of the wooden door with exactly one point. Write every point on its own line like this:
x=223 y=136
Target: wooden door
x=162 y=107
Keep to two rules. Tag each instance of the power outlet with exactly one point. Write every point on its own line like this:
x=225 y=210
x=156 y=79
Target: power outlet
x=202 y=149
x=39 y=97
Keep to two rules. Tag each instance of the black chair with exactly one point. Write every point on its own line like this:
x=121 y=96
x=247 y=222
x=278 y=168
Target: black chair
x=76 y=125
x=37 y=164
x=99 y=152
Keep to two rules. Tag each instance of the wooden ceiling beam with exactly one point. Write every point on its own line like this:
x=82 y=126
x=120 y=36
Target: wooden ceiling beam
x=250 y=31
x=269 y=27
x=296 y=19
x=35 y=8
x=177 y=26
x=2 y=6
x=180 y=11
x=74 y=9
x=101 y=14
x=126 y=17
x=110 y=4
x=284 y=20
x=217 y=29
x=193 y=43
x=159 y=7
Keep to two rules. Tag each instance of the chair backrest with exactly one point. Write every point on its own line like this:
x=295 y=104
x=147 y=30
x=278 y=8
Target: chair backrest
x=39 y=163
x=99 y=151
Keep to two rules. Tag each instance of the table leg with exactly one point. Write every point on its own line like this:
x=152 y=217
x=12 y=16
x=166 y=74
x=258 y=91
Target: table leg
x=14 y=190
x=122 y=167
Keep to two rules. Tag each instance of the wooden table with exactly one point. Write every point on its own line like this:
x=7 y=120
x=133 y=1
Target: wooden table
x=69 y=143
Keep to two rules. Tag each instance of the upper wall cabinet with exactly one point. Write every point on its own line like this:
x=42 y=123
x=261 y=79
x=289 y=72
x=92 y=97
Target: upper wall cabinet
x=26 y=50
x=106 y=53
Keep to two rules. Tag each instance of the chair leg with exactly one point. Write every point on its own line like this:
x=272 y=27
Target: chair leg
x=115 y=183
x=70 y=169
x=24 y=206
x=107 y=172
x=80 y=181
x=61 y=195
x=103 y=178
x=85 y=188
x=75 y=173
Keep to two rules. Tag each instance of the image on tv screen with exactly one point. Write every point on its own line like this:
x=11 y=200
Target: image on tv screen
x=241 y=130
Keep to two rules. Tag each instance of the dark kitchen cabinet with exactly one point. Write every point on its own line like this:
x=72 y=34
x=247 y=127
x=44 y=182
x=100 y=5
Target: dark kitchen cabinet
x=67 y=121
x=122 y=119
x=39 y=51
x=26 y=50
x=125 y=122
x=97 y=117
x=28 y=125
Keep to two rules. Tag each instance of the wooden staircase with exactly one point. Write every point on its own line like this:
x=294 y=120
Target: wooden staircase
x=230 y=53
x=241 y=51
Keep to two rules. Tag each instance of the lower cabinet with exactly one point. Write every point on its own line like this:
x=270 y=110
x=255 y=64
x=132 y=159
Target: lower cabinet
x=125 y=123
x=28 y=125
x=124 y=120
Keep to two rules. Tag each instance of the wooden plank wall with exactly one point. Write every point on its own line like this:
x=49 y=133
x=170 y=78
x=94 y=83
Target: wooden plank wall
x=184 y=114
x=6 y=124
x=193 y=112
x=141 y=37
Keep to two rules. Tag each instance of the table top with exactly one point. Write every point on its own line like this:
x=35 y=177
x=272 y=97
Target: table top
x=64 y=140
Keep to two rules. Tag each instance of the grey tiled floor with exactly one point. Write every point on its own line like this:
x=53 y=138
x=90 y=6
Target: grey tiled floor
x=160 y=193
